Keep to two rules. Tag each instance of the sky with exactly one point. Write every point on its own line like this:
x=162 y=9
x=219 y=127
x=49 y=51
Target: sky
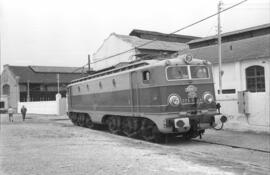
x=64 y=32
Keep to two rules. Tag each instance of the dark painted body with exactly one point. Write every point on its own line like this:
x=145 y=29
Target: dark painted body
x=150 y=100
x=143 y=98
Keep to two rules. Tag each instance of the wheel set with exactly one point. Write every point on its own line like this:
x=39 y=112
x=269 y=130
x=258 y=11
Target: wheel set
x=134 y=127
x=128 y=126
x=81 y=119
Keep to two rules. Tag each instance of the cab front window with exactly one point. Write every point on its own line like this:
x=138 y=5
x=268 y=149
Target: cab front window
x=177 y=72
x=199 y=72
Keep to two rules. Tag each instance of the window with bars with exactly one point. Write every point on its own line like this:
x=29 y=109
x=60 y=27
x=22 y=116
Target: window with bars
x=255 y=80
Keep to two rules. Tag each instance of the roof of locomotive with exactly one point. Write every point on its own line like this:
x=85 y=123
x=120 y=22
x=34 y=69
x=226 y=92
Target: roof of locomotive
x=131 y=66
x=174 y=59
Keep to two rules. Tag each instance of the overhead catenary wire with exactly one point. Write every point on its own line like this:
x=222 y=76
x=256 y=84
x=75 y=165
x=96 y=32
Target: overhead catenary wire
x=221 y=11
x=176 y=31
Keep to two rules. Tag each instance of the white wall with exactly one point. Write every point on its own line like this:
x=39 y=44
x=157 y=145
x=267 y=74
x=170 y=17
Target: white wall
x=258 y=103
x=57 y=107
x=230 y=80
x=112 y=45
x=42 y=107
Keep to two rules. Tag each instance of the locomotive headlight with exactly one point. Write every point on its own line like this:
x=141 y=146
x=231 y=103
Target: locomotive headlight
x=174 y=99
x=188 y=59
x=208 y=97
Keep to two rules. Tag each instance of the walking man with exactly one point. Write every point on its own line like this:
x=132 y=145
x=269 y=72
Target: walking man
x=23 y=111
x=10 y=114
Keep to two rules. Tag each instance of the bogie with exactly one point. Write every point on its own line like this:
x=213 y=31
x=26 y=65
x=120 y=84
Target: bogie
x=149 y=131
x=114 y=124
x=81 y=119
x=129 y=126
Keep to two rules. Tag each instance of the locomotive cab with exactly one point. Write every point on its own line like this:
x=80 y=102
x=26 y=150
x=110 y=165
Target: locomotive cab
x=177 y=95
x=190 y=96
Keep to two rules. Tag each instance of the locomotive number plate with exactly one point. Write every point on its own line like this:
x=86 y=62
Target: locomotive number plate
x=190 y=100
x=191 y=91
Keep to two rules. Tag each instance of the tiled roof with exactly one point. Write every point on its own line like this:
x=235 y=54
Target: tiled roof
x=50 y=69
x=231 y=33
x=26 y=73
x=156 y=45
x=251 y=48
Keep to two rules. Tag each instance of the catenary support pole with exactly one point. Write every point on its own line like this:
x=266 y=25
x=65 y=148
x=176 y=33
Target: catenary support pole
x=219 y=49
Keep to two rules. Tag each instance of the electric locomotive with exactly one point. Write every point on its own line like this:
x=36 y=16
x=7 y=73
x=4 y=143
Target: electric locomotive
x=148 y=98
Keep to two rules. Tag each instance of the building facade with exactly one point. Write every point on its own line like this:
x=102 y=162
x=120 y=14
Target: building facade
x=35 y=83
x=245 y=74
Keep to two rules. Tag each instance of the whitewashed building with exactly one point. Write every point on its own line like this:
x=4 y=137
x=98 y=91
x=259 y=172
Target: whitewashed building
x=127 y=48
x=246 y=75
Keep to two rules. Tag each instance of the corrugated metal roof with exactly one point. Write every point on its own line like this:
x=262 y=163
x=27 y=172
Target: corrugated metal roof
x=231 y=33
x=26 y=73
x=251 y=48
x=156 y=45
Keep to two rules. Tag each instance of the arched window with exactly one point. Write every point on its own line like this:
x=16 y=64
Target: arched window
x=255 y=80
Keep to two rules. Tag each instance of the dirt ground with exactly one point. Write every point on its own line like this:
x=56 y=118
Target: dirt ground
x=52 y=145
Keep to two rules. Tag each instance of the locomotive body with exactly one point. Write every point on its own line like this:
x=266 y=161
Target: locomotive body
x=148 y=98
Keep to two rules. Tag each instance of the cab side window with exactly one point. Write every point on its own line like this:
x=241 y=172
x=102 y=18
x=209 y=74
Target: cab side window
x=146 y=76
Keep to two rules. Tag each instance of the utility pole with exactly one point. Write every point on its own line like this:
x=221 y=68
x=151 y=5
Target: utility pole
x=219 y=49
x=89 y=68
x=0 y=74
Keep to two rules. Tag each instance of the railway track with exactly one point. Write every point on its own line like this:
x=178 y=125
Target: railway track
x=174 y=140
x=232 y=146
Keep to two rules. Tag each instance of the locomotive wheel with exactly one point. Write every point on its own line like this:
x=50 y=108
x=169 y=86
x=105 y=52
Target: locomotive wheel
x=112 y=125
x=73 y=118
x=150 y=132
x=89 y=123
x=81 y=119
x=125 y=127
x=77 y=121
x=74 y=121
x=128 y=128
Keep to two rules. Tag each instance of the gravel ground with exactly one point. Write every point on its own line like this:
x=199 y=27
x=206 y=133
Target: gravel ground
x=52 y=145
